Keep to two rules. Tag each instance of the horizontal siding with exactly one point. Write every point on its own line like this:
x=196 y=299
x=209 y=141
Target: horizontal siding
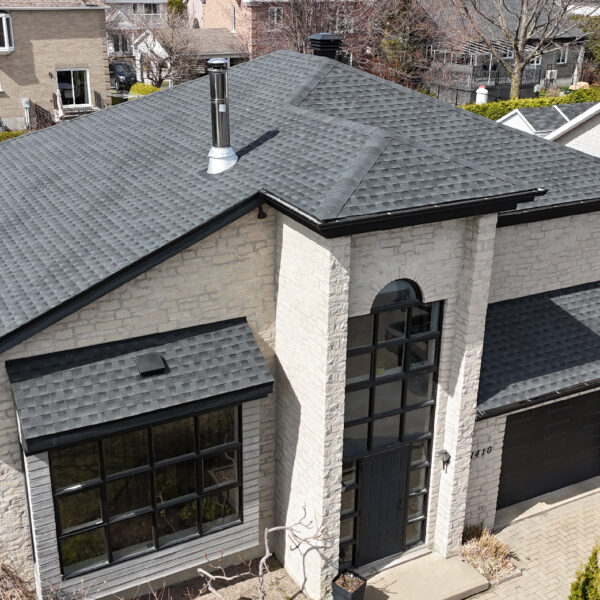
x=162 y=563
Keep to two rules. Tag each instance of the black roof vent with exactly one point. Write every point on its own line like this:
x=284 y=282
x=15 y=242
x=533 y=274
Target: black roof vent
x=325 y=44
x=151 y=364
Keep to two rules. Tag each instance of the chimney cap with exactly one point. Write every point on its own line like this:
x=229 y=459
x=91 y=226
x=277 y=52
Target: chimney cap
x=325 y=44
x=218 y=63
x=330 y=37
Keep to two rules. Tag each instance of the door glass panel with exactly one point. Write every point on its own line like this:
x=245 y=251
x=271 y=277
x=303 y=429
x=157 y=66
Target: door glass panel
x=173 y=439
x=80 y=87
x=83 y=551
x=413 y=533
x=346 y=553
x=125 y=452
x=220 y=509
x=422 y=353
x=416 y=480
x=392 y=325
x=358 y=368
x=355 y=439
x=76 y=510
x=385 y=431
x=357 y=405
x=65 y=86
x=416 y=422
x=348 y=501
x=360 y=331
x=347 y=529
x=419 y=453
x=220 y=469
x=175 y=481
x=131 y=536
x=415 y=506
x=349 y=473
x=419 y=388
x=75 y=465
x=127 y=494
x=218 y=427
x=177 y=522
x=388 y=396
x=389 y=360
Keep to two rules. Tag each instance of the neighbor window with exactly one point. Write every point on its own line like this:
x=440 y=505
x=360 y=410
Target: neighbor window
x=6 y=34
x=146 y=8
x=537 y=61
x=232 y=19
x=120 y=43
x=508 y=54
x=275 y=17
x=563 y=55
x=73 y=86
x=136 y=492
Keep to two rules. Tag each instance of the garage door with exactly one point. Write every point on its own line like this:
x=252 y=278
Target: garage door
x=550 y=447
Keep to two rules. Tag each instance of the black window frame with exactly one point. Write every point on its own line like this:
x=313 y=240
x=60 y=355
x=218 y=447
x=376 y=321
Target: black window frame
x=152 y=466
x=371 y=384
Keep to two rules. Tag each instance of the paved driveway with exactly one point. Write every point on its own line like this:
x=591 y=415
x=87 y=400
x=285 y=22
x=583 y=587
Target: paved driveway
x=550 y=546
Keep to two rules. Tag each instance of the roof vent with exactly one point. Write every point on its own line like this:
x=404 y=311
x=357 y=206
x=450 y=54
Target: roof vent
x=325 y=44
x=151 y=364
x=221 y=156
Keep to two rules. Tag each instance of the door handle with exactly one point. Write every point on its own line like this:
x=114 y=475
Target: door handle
x=401 y=504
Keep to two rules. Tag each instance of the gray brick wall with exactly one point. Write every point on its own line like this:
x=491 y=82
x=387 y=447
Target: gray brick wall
x=188 y=289
x=545 y=255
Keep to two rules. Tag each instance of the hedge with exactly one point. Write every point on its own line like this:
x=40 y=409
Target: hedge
x=496 y=110
x=587 y=580
x=142 y=89
x=7 y=135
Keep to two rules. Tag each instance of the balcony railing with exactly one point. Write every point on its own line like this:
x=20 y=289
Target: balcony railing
x=468 y=77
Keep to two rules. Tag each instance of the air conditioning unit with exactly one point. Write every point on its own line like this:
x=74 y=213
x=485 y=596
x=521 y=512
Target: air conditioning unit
x=551 y=74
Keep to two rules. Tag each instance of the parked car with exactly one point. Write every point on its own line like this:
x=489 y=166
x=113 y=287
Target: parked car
x=122 y=75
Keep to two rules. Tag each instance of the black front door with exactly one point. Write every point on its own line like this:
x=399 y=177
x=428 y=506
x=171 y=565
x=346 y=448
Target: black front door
x=382 y=504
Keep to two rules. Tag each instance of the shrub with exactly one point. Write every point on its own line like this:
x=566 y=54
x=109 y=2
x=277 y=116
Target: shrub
x=7 y=135
x=142 y=89
x=496 y=110
x=587 y=580
x=487 y=553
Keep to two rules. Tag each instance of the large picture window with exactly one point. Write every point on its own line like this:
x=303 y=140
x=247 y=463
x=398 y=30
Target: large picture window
x=391 y=375
x=73 y=87
x=6 y=34
x=133 y=493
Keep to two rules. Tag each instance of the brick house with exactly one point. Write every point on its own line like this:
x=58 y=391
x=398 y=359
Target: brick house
x=385 y=312
x=52 y=60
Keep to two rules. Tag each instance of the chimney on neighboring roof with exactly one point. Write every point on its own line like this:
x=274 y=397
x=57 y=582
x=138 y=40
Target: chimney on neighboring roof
x=221 y=156
x=325 y=44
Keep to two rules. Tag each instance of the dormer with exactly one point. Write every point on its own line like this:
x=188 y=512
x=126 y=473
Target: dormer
x=7 y=44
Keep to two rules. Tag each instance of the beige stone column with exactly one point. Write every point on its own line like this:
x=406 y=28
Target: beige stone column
x=310 y=343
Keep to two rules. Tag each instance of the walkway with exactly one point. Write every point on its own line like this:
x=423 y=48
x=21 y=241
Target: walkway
x=549 y=545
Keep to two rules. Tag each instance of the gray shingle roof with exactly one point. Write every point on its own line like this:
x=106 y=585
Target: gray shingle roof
x=83 y=201
x=540 y=347
x=65 y=392
x=544 y=119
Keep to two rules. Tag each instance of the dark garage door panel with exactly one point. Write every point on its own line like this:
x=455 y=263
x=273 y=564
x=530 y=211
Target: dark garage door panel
x=550 y=447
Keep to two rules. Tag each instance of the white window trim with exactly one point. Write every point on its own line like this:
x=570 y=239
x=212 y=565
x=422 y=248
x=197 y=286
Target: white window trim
x=276 y=23
x=87 y=81
x=559 y=59
x=537 y=61
x=508 y=54
x=6 y=25
x=233 y=18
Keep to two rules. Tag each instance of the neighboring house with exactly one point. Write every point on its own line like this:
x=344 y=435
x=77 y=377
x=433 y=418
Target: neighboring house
x=457 y=73
x=542 y=120
x=385 y=313
x=581 y=133
x=53 y=60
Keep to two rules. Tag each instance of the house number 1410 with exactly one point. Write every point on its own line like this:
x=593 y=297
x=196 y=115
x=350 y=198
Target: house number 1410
x=481 y=452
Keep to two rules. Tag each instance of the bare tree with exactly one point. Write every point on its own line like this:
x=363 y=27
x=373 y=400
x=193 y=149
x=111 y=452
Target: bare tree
x=517 y=32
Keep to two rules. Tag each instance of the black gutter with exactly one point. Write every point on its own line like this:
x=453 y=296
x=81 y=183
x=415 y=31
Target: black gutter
x=530 y=215
x=328 y=229
x=578 y=388
x=180 y=411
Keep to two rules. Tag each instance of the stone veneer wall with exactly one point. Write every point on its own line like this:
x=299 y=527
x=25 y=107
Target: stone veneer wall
x=545 y=255
x=484 y=475
x=449 y=261
x=311 y=332
x=228 y=274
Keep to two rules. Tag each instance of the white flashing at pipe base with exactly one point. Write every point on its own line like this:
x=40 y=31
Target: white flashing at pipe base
x=221 y=159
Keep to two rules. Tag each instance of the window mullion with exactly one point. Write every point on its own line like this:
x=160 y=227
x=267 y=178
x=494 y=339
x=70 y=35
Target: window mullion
x=103 y=503
x=152 y=488
x=198 y=476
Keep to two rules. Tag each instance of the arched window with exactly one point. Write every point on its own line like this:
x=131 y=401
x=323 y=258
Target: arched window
x=391 y=373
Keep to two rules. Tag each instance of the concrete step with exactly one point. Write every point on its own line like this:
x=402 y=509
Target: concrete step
x=430 y=577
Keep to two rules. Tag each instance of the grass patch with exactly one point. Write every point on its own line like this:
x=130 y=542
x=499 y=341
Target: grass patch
x=7 y=135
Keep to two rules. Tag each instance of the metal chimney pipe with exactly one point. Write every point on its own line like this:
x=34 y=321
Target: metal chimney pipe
x=221 y=156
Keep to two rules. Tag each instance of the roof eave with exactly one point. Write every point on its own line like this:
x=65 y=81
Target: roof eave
x=543 y=213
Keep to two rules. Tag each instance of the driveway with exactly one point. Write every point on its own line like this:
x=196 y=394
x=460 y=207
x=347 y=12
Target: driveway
x=551 y=538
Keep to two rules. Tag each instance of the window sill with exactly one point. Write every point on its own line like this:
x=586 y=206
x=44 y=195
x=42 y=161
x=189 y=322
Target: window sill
x=7 y=50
